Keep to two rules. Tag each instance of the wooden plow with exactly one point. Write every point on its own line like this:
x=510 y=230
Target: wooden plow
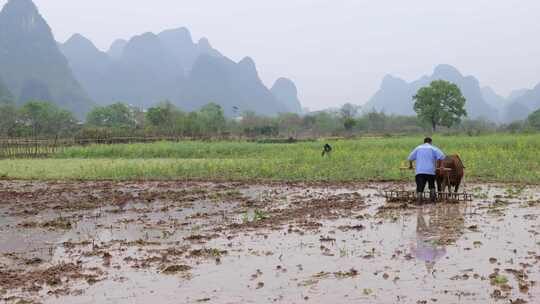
x=404 y=196
x=408 y=196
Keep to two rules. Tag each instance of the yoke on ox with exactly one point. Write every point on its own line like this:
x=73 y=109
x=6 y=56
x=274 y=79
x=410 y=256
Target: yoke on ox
x=449 y=176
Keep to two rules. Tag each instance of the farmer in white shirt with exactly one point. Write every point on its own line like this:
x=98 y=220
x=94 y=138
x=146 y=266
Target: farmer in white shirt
x=426 y=157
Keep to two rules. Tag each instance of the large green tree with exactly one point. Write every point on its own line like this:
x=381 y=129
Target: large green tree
x=212 y=119
x=440 y=104
x=46 y=119
x=348 y=114
x=166 y=118
x=162 y=115
x=118 y=115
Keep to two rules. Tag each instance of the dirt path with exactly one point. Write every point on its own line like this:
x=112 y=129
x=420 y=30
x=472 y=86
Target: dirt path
x=171 y=242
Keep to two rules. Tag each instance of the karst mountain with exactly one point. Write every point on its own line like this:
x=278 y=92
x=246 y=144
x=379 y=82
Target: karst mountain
x=31 y=65
x=143 y=70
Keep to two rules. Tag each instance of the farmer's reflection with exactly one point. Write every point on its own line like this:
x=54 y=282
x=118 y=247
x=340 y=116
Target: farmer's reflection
x=436 y=227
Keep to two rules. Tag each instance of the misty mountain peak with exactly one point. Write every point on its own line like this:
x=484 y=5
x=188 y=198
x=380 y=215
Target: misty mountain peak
x=146 y=37
x=446 y=71
x=180 y=44
x=285 y=84
x=472 y=80
x=80 y=51
x=204 y=44
x=151 y=55
x=117 y=48
x=23 y=16
x=25 y=37
x=391 y=81
x=181 y=35
x=19 y=7
x=80 y=42
x=204 y=47
x=247 y=63
x=145 y=45
x=77 y=38
x=285 y=91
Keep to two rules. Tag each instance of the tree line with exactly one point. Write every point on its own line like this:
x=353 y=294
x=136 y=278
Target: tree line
x=440 y=105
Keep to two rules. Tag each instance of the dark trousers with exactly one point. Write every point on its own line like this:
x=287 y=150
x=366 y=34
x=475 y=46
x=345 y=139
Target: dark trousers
x=422 y=179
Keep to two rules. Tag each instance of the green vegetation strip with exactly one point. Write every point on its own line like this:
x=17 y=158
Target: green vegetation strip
x=507 y=158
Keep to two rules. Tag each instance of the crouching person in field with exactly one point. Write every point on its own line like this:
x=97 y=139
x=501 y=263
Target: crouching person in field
x=327 y=150
x=426 y=157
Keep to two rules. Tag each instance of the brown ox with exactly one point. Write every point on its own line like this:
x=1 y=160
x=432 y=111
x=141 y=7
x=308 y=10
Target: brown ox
x=450 y=172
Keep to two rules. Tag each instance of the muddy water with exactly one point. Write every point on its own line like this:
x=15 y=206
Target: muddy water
x=237 y=243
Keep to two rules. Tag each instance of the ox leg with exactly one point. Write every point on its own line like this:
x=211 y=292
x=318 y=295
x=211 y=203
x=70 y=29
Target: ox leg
x=448 y=185
x=446 y=188
x=457 y=186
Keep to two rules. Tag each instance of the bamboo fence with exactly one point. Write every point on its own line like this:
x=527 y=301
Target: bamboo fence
x=13 y=148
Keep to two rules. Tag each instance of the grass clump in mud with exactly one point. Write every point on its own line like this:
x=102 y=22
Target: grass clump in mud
x=346 y=274
x=499 y=280
x=173 y=269
x=207 y=253
x=258 y=215
x=58 y=223
x=508 y=158
x=229 y=195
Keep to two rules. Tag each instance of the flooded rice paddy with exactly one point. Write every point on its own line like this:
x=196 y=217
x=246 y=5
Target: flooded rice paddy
x=180 y=242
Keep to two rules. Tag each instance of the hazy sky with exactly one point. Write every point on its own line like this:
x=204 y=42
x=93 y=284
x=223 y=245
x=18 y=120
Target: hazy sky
x=336 y=51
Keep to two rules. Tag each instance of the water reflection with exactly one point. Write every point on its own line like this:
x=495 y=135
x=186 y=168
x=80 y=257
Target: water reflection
x=436 y=228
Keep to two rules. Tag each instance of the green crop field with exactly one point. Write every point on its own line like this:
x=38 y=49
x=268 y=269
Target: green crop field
x=507 y=158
